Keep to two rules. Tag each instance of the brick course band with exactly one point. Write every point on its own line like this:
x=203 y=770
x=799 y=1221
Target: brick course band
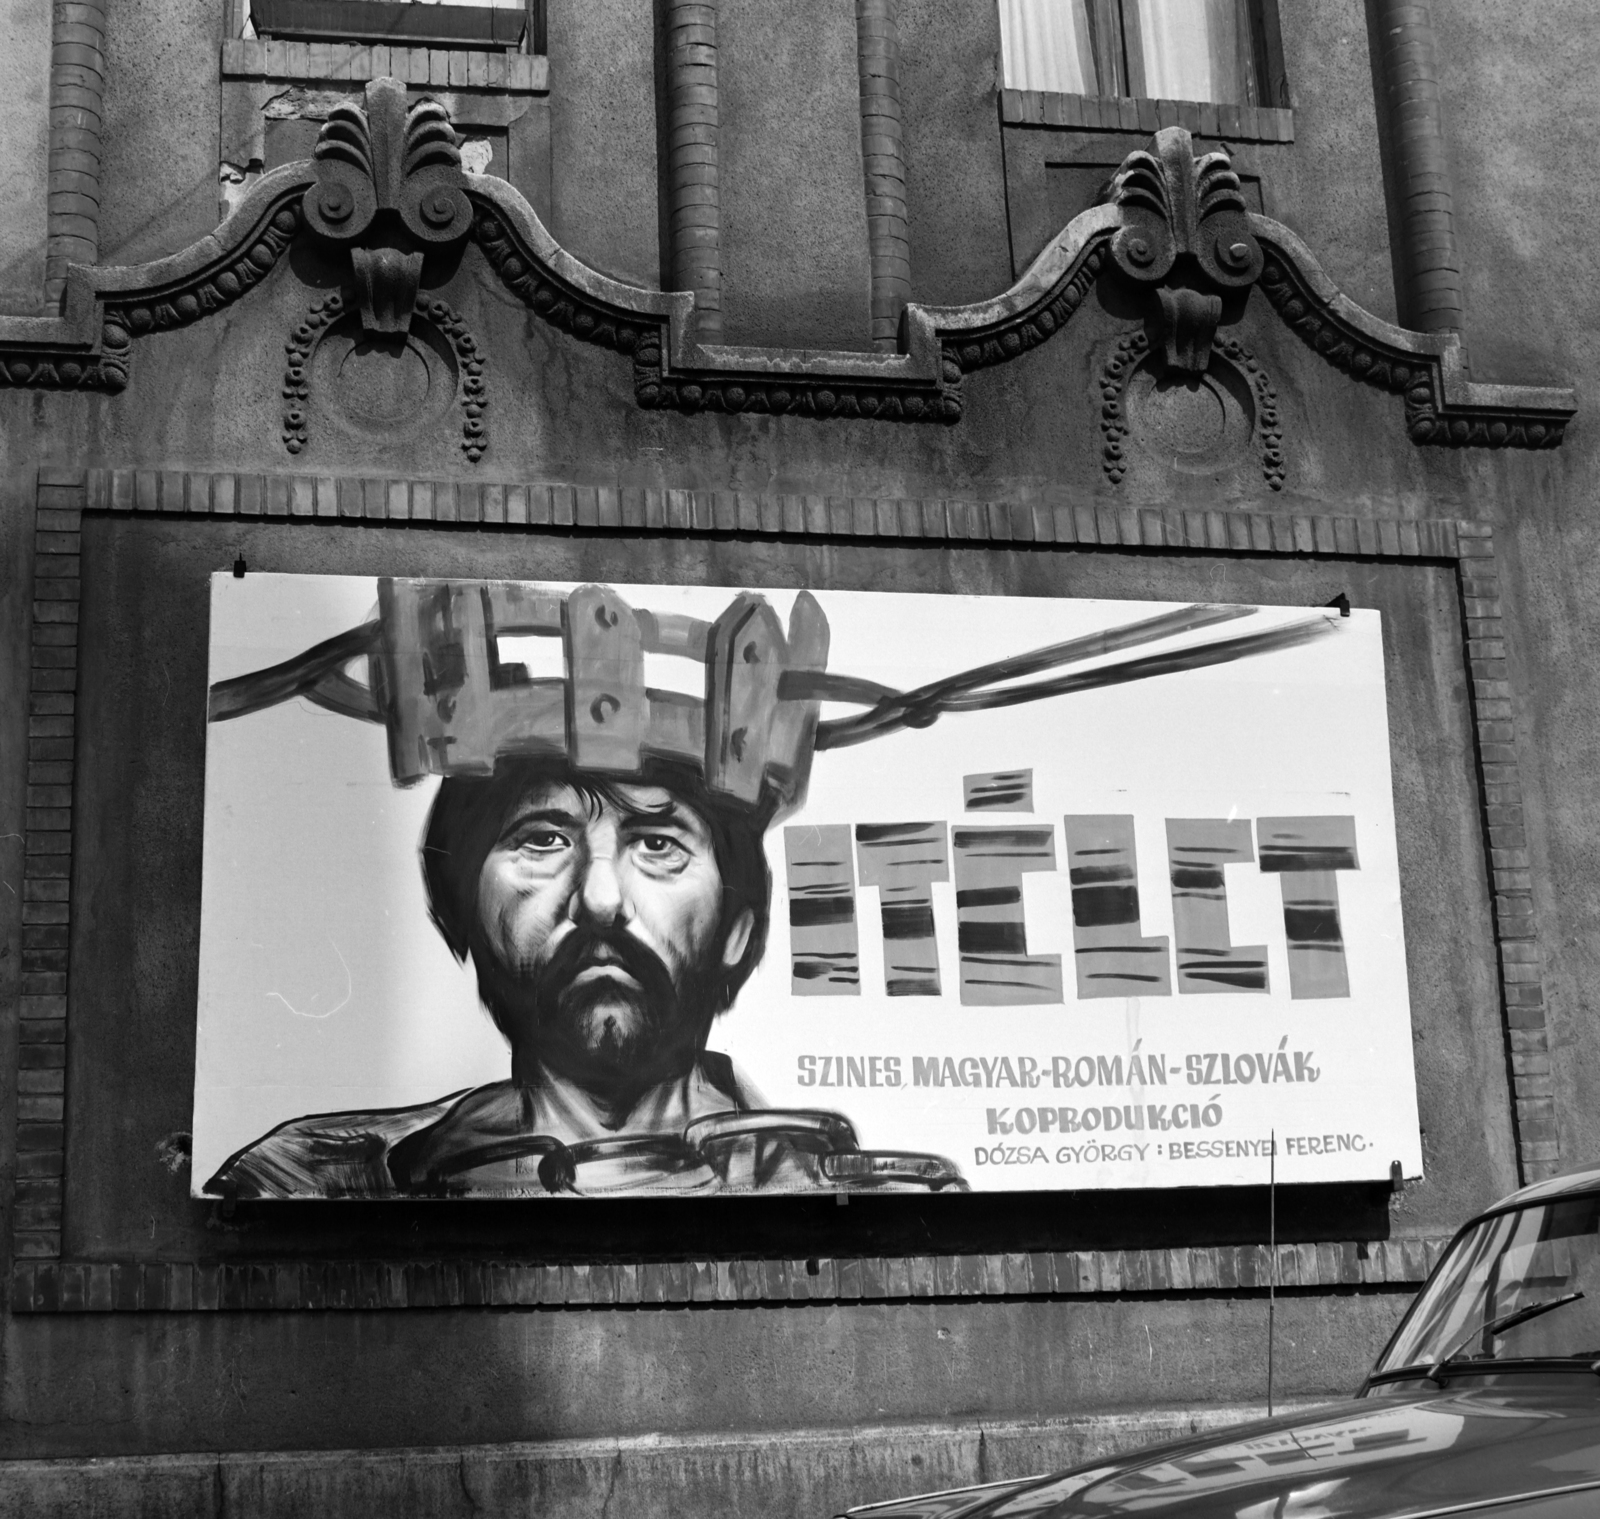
x=319 y=1286
x=642 y=508
x=437 y=68
x=65 y=494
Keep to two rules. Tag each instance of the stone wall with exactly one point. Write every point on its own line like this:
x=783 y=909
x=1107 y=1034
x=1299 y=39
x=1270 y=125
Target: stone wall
x=124 y=500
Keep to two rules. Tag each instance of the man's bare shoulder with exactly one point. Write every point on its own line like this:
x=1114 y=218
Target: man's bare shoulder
x=327 y=1155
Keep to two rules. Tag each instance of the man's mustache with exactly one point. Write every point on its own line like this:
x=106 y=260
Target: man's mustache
x=587 y=948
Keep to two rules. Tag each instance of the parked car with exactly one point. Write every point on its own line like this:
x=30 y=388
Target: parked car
x=1486 y=1401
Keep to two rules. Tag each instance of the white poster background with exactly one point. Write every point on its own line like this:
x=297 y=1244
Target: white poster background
x=323 y=986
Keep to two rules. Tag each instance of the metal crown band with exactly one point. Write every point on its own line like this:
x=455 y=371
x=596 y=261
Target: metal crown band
x=452 y=706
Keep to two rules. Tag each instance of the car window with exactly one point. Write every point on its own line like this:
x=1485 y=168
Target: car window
x=1542 y=1261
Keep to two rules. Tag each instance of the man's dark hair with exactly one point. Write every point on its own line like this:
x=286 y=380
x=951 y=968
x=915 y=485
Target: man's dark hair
x=469 y=813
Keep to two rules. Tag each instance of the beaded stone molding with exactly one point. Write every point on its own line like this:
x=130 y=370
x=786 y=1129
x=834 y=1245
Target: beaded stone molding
x=44 y=1282
x=325 y=312
x=1125 y=357
x=1176 y=229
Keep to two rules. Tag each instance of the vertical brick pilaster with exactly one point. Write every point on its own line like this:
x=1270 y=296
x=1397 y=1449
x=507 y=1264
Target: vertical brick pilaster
x=1409 y=70
x=1511 y=880
x=694 y=196
x=77 y=87
x=883 y=160
x=47 y=865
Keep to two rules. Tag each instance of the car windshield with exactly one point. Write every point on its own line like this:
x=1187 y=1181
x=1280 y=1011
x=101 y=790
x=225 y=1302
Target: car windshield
x=1522 y=1285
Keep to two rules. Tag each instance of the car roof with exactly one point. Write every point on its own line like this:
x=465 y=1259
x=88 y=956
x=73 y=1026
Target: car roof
x=1583 y=1179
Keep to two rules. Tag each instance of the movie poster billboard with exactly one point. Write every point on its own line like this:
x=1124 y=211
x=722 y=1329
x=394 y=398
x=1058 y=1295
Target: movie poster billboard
x=546 y=890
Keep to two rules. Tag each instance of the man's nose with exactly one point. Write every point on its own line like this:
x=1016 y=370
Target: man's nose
x=599 y=896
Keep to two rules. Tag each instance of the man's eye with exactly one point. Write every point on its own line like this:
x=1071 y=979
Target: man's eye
x=543 y=840
x=659 y=845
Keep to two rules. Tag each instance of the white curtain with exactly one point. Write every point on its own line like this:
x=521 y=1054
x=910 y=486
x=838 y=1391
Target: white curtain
x=1191 y=50
x=1044 y=45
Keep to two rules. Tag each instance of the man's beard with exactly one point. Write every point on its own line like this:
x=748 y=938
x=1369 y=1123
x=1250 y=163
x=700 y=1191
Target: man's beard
x=612 y=1038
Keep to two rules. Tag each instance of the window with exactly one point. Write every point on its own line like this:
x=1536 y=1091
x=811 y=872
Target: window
x=1221 y=51
x=480 y=24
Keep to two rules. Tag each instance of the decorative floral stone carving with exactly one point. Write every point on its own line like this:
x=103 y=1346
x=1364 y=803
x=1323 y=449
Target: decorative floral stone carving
x=325 y=313
x=1007 y=340
x=390 y=189
x=1133 y=349
x=1178 y=227
x=672 y=373
x=1269 y=417
x=1177 y=205
x=1185 y=235
x=563 y=303
x=1442 y=406
x=386 y=184
x=53 y=371
x=1129 y=349
x=159 y=310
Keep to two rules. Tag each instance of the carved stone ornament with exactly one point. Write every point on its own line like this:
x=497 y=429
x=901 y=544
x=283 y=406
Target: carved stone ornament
x=386 y=184
x=1185 y=235
x=1262 y=426
x=462 y=355
x=390 y=189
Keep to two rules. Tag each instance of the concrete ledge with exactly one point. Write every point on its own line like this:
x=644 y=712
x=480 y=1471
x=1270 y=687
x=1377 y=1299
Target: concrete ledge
x=43 y=1286
x=806 y=1474
x=436 y=68
x=1121 y=113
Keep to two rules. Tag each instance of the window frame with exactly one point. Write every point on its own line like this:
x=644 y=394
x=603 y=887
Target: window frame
x=384 y=31
x=1117 y=48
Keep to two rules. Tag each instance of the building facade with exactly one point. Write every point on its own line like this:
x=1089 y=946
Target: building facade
x=864 y=295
